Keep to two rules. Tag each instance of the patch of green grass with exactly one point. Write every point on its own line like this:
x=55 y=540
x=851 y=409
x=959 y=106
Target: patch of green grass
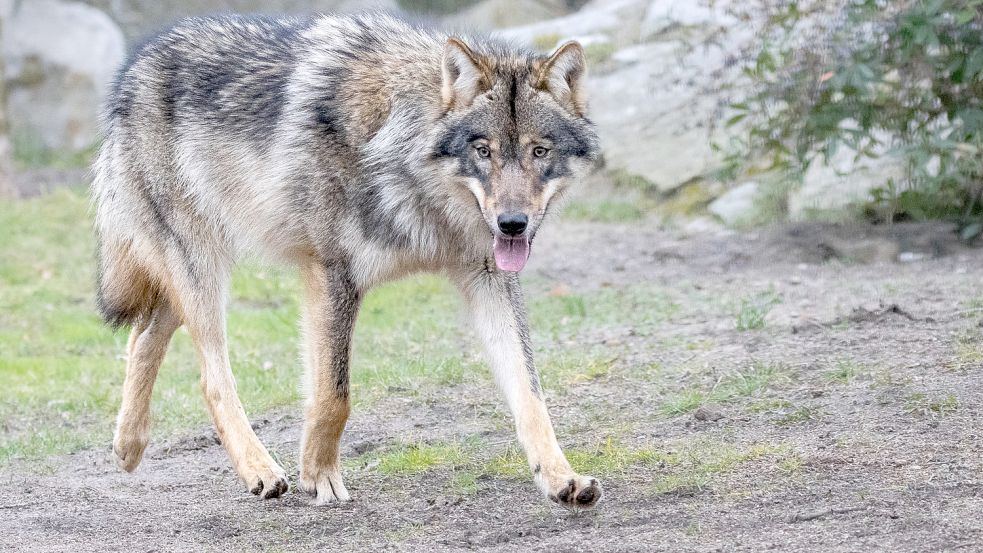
x=642 y=307
x=686 y=467
x=510 y=464
x=607 y=458
x=844 y=371
x=753 y=310
x=800 y=415
x=750 y=381
x=603 y=211
x=968 y=346
x=610 y=457
x=417 y=458
x=922 y=404
x=791 y=464
x=693 y=467
x=464 y=483
x=559 y=370
x=683 y=402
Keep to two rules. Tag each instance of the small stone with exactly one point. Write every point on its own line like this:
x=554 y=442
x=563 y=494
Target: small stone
x=910 y=257
x=707 y=414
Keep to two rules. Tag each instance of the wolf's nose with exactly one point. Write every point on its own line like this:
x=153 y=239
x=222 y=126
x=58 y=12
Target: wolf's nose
x=512 y=224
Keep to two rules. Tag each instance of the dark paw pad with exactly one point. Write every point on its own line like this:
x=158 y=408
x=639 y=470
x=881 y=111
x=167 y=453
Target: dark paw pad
x=571 y=496
x=588 y=495
x=278 y=488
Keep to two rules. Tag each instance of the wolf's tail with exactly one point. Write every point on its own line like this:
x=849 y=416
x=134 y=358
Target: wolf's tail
x=126 y=292
x=125 y=288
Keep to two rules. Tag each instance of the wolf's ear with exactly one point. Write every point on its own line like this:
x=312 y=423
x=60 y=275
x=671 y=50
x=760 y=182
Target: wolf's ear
x=562 y=75
x=464 y=75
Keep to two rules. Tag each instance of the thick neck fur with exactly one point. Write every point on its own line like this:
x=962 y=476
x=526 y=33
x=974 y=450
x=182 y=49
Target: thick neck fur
x=381 y=80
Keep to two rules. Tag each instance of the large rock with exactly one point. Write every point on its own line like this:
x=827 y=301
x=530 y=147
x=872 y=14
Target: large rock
x=844 y=182
x=665 y=15
x=493 y=14
x=737 y=204
x=619 y=19
x=653 y=114
x=61 y=58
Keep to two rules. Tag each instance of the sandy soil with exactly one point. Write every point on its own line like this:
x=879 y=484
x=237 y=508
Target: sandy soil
x=880 y=463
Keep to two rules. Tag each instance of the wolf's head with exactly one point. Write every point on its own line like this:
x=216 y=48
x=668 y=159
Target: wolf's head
x=514 y=132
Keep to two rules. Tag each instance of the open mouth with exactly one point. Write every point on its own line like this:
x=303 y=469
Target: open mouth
x=511 y=253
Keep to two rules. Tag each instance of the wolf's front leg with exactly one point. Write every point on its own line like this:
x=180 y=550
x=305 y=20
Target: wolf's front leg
x=329 y=316
x=496 y=305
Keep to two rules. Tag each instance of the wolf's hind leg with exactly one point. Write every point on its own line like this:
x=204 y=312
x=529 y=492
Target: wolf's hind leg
x=149 y=337
x=496 y=305
x=331 y=307
x=203 y=307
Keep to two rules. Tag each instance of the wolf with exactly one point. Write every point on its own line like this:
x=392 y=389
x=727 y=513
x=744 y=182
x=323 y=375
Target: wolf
x=359 y=149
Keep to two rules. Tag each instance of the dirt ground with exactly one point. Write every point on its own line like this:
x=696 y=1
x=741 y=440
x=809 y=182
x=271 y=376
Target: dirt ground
x=888 y=457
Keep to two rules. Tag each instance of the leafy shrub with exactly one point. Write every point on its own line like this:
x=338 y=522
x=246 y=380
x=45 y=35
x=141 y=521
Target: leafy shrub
x=881 y=77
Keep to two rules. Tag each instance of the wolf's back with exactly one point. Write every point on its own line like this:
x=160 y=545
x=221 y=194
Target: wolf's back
x=228 y=71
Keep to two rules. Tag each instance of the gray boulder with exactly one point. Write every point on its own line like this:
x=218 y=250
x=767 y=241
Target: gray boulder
x=844 y=182
x=492 y=14
x=619 y=19
x=665 y=15
x=737 y=204
x=61 y=57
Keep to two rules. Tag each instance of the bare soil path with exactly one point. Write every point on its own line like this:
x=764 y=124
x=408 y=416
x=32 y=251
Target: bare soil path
x=849 y=422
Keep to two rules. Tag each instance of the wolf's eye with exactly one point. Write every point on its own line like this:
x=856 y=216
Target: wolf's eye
x=540 y=151
x=482 y=150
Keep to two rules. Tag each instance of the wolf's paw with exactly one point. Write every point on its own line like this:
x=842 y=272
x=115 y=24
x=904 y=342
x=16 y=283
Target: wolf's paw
x=267 y=481
x=128 y=450
x=576 y=491
x=326 y=486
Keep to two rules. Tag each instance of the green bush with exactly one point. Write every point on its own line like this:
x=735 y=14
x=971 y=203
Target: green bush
x=882 y=77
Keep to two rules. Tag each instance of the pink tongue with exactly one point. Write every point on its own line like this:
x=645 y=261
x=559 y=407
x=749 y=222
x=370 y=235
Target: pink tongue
x=511 y=253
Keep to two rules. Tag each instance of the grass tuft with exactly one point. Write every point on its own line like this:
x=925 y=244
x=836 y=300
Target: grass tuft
x=844 y=371
x=417 y=458
x=922 y=404
x=751 y=381
x=683 y=402
x=753 y=311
